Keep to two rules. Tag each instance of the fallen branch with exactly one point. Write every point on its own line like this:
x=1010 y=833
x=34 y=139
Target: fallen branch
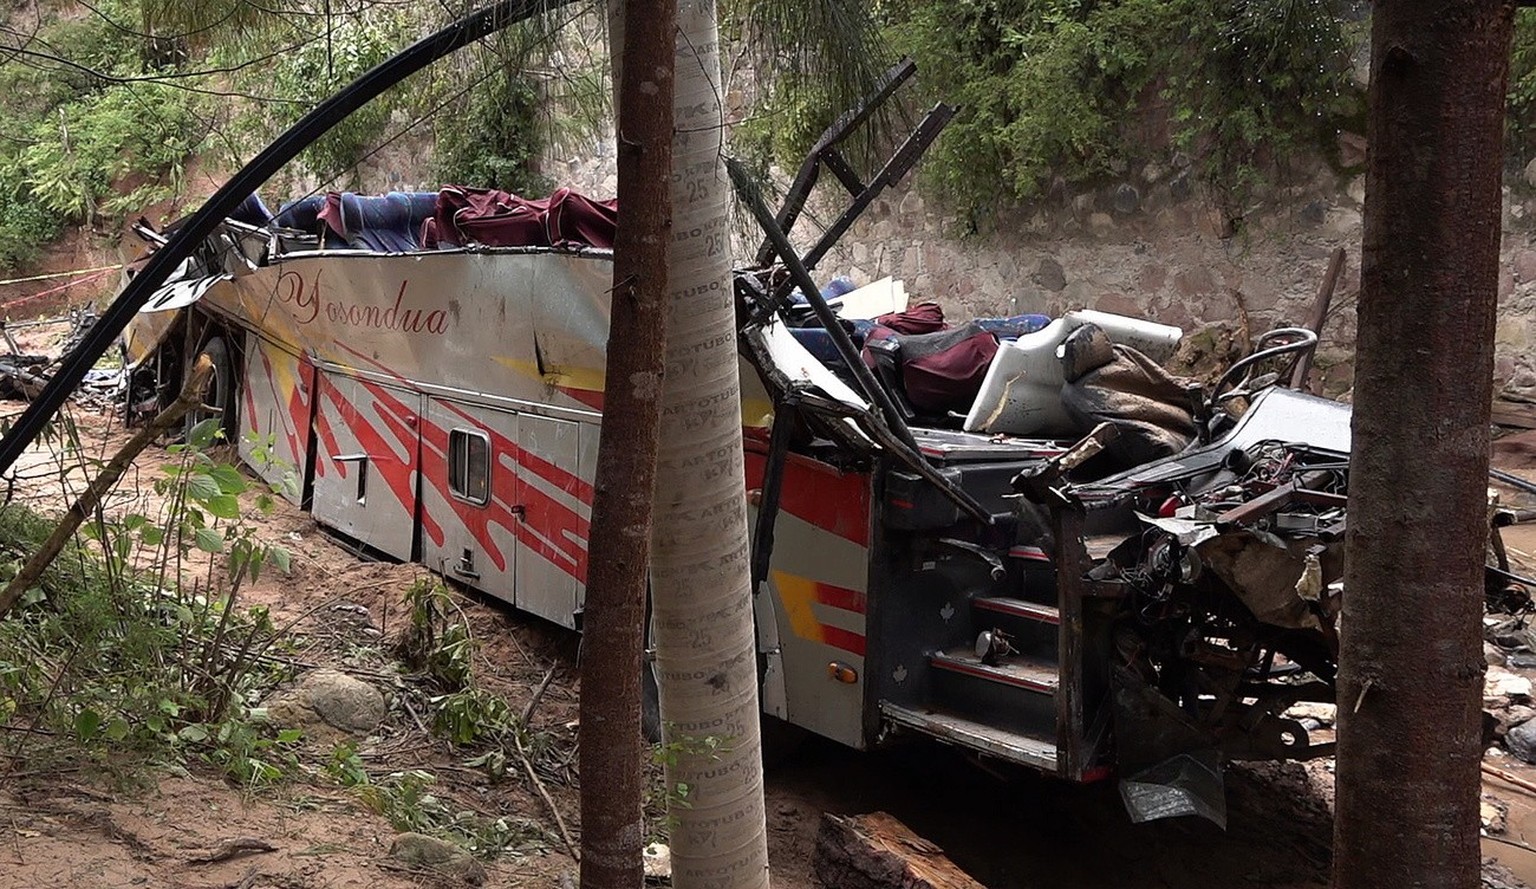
x=544 y=795
x=537 y=694
x=234 y=848
x=191 y=396
x=405 y=702
x=876 y=851
x=1510 y=777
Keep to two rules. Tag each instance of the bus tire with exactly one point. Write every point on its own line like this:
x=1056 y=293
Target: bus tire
x=650 y=705
x=218 y=398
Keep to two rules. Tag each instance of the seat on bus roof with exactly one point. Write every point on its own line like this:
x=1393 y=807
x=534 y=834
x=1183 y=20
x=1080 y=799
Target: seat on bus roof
x=496 y=218
x=387 y=223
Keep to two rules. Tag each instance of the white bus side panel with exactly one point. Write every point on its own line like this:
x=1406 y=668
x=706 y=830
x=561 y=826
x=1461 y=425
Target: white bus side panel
x=366 y=462
x=277 y=389
x=469 y=495
x=556 y=512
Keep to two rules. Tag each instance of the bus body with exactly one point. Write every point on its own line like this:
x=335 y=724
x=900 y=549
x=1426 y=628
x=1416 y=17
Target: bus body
x=1003 y=575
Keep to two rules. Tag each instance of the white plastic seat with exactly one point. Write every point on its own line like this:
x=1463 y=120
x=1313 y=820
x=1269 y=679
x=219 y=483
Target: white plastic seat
x=1021 y=393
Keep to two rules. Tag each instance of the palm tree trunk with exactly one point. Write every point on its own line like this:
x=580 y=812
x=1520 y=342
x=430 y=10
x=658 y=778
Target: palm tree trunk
x=612 y=770
x=1411 y=665
x=706 y=656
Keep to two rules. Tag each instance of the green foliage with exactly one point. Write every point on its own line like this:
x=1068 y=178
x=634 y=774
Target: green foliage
x=663 y=796
x=199 y=22
x=80 y=146
x=437 y=644
x=115 y=651
x=1522 y=86
x=471 y=716
x=311 y=71
x=79 y=152
x=407 y=800
x=1061 y=87
x=436 y=639
x=490 y=138
x=816 y=59
x=104 y=128
x=781 y=130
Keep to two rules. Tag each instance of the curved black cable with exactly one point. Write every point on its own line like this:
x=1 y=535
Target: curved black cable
x=200 y=225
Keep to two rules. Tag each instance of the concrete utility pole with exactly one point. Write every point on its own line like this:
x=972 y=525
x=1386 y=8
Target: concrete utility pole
x=1411 y=664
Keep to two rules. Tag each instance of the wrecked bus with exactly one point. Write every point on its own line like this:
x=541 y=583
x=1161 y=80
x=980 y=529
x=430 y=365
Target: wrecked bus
x=1019 y=536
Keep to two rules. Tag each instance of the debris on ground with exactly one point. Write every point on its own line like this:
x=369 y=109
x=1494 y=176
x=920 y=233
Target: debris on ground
x=1494 y=814
x=25 y=370
x=1500 y=684
x=875 y=851
x=657 y=858
x=233 y=848
x=1497 y=876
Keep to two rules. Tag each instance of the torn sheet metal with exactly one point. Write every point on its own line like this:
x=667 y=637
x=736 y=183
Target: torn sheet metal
x=1273 y=581
x=181 y=293
x=1187 y=531
x=800 y=366
x=1185 y=784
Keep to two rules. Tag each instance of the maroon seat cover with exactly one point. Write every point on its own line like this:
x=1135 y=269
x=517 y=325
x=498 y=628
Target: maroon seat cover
x=497 y=218
x=946 y=374
x=925 y=317
x=574 y=218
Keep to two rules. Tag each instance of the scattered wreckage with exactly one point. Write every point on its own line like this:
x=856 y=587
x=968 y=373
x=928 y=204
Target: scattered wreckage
x=23 y=374
x=1020 y=536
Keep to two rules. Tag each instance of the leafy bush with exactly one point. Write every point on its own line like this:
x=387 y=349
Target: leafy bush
x=78 y=153
x=490 y=139
x=1522 y=87
x=81 y=145
x=1059 y=87
x=302 y=76
x=117 y=650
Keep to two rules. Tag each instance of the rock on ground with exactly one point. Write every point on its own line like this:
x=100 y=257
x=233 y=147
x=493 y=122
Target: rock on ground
x=1521 y=741
x=1499 y=683
x=429 y=853
x=1497 y=876
x=332 y=698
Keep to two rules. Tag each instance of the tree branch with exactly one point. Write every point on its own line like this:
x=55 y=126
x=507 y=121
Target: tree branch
x=191 y=396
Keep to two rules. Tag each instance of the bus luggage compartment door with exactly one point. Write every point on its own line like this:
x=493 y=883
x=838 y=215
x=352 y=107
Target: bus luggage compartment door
x=275 y=417
x=556 y=495
x=471 y=506
x=368 y=445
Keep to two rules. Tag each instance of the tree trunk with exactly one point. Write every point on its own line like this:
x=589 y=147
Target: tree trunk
x=612 y=770
x=1411 y=654
x=706 y=657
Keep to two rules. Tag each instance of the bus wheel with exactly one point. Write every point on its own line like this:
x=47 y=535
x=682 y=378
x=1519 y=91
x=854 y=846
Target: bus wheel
x=218 y=397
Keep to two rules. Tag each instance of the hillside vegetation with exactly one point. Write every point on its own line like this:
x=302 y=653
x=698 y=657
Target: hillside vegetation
x=108 y=101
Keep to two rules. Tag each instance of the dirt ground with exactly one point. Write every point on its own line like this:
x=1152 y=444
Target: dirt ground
x=1012 y=830
x=345 y=609
x=1008 y=829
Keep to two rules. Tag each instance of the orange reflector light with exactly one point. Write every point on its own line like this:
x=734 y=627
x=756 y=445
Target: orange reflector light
x=842 y=672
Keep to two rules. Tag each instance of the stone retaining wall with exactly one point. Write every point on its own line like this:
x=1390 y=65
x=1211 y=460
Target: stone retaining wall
x=1156 y=246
